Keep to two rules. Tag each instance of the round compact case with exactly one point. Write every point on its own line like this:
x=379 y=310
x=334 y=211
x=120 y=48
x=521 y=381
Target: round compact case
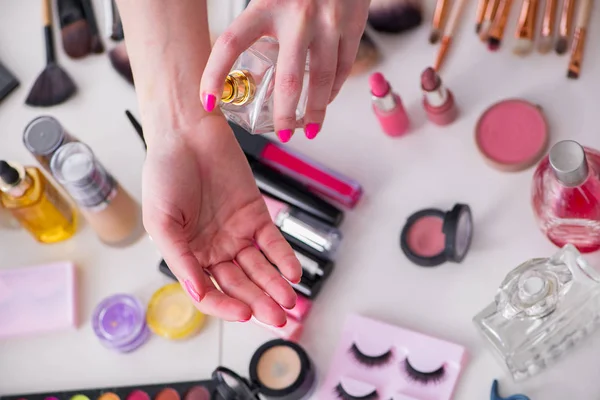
x=431 y=237
x=279 y=370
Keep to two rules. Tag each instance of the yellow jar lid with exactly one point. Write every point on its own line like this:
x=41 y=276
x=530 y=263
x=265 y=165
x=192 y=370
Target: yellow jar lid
x=171 y=313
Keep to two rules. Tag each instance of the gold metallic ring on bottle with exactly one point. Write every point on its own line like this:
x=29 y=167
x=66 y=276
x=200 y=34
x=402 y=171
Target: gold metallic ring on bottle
x=239 y=88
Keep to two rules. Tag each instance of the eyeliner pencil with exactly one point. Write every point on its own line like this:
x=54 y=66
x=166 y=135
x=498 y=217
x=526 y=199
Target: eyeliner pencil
x=137 y=126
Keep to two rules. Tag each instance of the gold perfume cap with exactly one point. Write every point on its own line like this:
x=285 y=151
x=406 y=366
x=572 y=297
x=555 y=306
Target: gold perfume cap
x=239 y=88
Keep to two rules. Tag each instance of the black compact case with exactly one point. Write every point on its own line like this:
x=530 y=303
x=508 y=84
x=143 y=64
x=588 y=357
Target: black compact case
x=184 y=390
x=8 y=82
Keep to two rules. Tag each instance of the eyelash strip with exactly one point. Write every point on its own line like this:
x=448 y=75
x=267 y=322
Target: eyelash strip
x=342 y=394
x=370 y=361
x=424 y=377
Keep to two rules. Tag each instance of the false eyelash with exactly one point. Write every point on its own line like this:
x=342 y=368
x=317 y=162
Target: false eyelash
x=424 y=377
x=370 y=361
x=342 y=394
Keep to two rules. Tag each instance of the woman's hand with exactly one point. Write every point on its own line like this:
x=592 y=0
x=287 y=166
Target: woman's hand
x=329 y=29
x=204 y=212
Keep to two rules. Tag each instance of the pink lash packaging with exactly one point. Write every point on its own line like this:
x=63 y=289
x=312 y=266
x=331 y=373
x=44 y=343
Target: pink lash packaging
x=375 y=360
x=37 y=299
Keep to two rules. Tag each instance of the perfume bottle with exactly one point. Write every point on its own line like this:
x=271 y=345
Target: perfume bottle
x=247 y=98
x=36 y=204
x=566 y=196
x=542 y=309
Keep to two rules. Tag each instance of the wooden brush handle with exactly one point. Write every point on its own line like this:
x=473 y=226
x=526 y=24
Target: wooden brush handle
x=47 y=12
x=48 y=36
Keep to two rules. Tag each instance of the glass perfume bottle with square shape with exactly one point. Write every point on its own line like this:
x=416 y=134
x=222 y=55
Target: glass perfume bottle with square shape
x=248 y=92
x=543 y=308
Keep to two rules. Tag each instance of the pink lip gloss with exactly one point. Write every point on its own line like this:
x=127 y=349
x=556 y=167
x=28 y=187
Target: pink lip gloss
x=438 y=101
x=388 y=107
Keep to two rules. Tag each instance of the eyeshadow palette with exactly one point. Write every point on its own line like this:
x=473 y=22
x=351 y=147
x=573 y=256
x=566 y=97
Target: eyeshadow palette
x=193 y=390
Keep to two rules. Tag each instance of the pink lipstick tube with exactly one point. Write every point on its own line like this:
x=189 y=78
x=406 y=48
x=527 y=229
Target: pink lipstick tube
x=388 y=107
x=438 y=101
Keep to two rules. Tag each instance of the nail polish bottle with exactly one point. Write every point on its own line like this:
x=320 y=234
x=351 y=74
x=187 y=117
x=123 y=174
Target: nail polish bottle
x=438 y=101
x=566 y=196
x=388 y=107
x=248 y=92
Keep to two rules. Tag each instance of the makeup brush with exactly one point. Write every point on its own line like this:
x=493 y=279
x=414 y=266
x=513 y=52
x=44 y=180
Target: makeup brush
x=488 y=19
x=548 y=22
x=53 y=86
x=95 y=42
x=112 y=21
x=480 y=14
x=498 y=27
x=74 y=29
x=137 y=126
x=368 y=56
x=120 y=61
x=526 y=28
x=395 y=16
x=566 y=20
x=449 y=31
x=439 y=16
x=583 y=20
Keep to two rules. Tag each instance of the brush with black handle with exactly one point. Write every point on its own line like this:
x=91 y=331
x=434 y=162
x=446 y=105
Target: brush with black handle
x=53 y=86
x=95 y=41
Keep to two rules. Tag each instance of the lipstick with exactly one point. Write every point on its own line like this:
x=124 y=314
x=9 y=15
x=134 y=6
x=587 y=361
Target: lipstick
x=388 y=107
x=315 y=176
x=438 y=101
x=315 y=234
x=312 y=265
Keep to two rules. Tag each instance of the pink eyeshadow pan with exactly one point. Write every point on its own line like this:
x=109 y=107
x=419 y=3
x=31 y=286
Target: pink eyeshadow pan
x=512 y=135
x=138 y=395
x=425 y=236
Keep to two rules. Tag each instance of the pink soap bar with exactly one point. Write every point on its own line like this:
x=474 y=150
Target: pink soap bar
x=37 y=299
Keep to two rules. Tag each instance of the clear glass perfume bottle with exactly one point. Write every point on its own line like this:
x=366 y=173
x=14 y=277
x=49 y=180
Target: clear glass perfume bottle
x=566 y=196
x=247 y=98
x=542 y=309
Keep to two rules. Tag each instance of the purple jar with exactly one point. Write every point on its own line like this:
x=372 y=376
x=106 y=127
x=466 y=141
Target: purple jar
x=119 y=322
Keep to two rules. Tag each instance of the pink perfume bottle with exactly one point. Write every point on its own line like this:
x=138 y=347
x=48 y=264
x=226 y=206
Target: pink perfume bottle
x=247 y=98
x=566 y=196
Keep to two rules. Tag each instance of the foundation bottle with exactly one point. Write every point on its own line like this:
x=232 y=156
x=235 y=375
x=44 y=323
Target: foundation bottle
x=108 y=208
x=35 y=203
x=43 y=136
x=247 y=98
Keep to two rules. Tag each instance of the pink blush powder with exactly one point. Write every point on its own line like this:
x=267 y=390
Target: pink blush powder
x=425 y=237
x=512 y=134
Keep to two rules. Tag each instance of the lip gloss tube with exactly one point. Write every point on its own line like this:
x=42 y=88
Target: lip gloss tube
x=317 y=177
x=312 y=265
x=388 y=107
x=310 y=231
x=286 y=189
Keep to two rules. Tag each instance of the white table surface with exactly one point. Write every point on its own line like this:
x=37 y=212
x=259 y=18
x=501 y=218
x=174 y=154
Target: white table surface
x=431 y=167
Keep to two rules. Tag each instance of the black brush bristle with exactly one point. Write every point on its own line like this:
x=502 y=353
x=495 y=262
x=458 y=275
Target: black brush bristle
x=95 y=41
x=397 y=18
x=120 y=62
x=96 y=44
x=494 y=44
x=561 y=46
x=572 y=74
x=76 y=39
x=434 y=36
x=52 y=87
x=477 y=28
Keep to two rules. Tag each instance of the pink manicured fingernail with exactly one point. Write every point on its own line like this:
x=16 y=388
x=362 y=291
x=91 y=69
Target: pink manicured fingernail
x=282 y=325
x=312 y=130
x=189 y=286
x=245 y=320
x=209 y=102
x=285 y=135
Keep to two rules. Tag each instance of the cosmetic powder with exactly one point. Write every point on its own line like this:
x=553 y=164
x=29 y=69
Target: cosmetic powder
x=109 y=396
x=79 y=397
x=431 y=237
x=512 y=135
x=198 y=393
x=167 y=394
x=138 y=395
x=171 y=313
x=119 y=323
x=282 y=370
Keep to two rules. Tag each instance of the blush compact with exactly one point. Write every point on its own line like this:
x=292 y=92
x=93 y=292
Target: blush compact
x=432 y=237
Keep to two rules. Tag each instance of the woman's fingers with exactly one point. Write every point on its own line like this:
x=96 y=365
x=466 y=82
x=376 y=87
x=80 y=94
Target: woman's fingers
x=279 y=252
x=323 y=62
x=266 y=277
x=289 y=78
x=222 y=306
x=346 y=56
x=242 y=32
x=233 y=282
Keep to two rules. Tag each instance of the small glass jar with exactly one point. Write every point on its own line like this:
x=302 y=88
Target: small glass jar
x=248 y=93
x=543 y=308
